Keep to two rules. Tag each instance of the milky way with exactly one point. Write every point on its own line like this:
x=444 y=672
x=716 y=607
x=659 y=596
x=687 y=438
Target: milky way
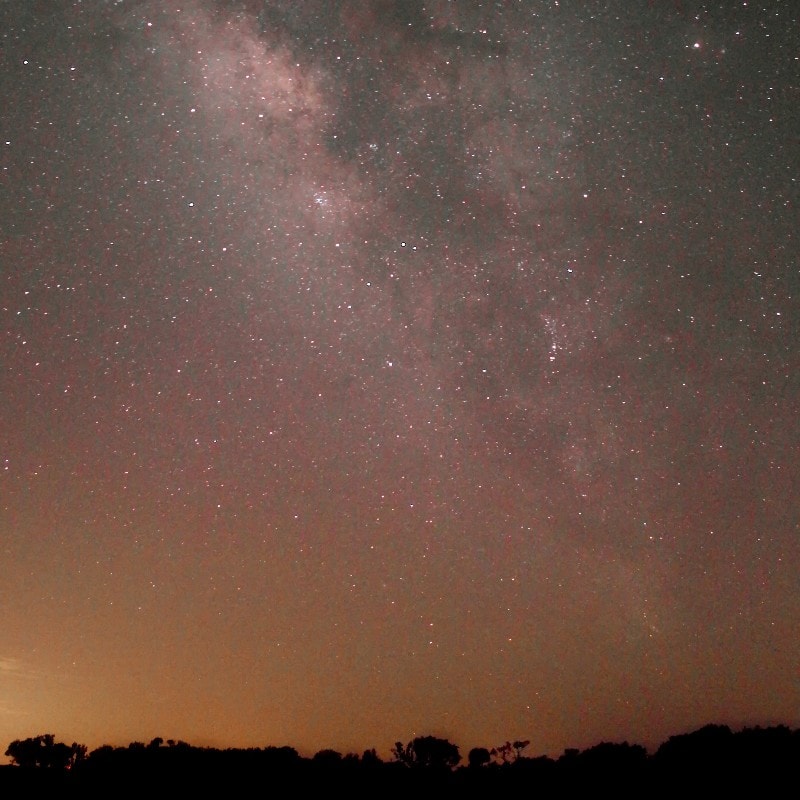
x=375 y=369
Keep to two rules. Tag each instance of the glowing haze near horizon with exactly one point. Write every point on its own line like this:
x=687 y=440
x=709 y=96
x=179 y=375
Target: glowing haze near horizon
x=379 y=369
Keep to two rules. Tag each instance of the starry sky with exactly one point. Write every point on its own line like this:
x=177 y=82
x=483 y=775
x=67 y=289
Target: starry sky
x=381 y=369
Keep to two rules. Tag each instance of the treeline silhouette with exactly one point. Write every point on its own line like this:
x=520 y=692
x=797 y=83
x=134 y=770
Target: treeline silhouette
x=709 y=760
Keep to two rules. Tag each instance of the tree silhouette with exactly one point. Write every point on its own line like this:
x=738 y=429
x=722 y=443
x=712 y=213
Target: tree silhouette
x=327 y=758
x=429 y=752
x=519 y=745
x=712 y=759
x=478 y=757
x=503 y=752
x=370 y=758
x=45 y=752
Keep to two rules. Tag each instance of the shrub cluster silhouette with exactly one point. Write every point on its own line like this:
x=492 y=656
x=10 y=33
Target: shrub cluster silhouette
x=711 y=759
x=427 y=752
x=45 y=752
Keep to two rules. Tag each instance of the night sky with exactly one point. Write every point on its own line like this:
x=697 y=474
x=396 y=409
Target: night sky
x=381 y=369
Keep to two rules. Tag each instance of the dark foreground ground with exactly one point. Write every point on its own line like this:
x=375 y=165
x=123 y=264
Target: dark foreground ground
x=761 y=762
